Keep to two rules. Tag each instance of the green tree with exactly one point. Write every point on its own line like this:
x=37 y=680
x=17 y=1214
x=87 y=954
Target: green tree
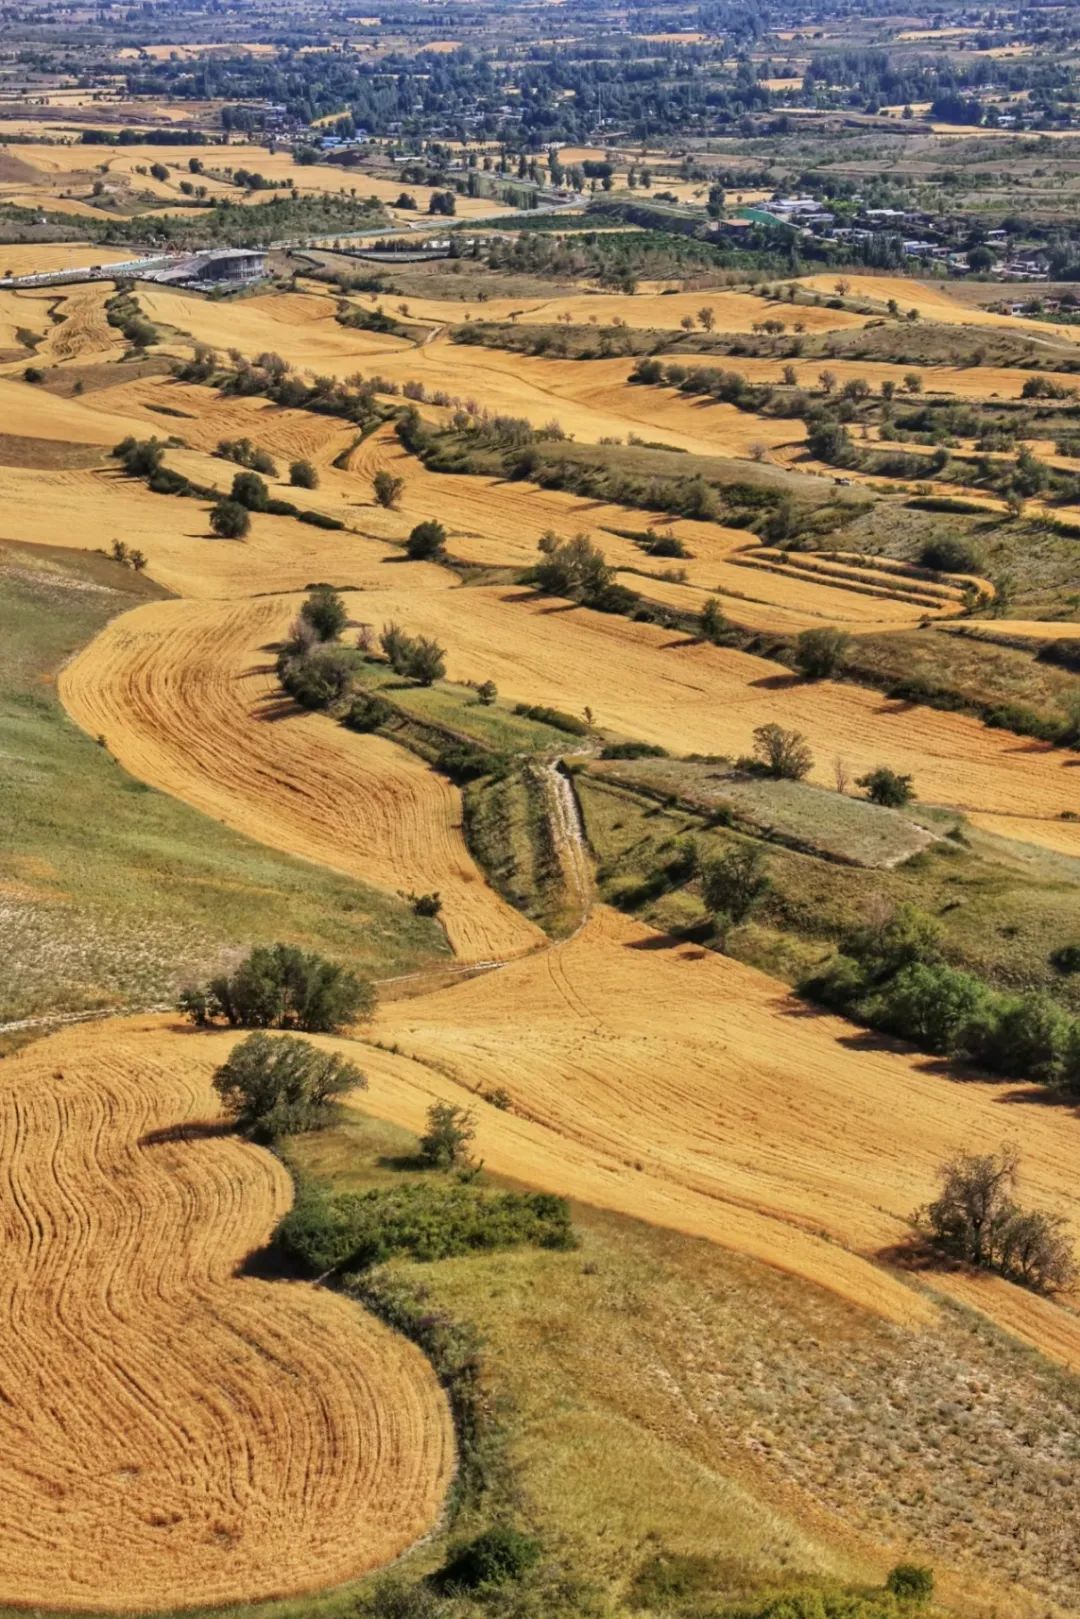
x=425 y=661
x=250 y=491
x=450 y=1133
x=887 y=787
x=281 y=986
x=302 y=475
x=733 y=884
x=141 y=457
x=325 y=612
x=908 y=1581
x=230 y=520
x=278 y=1086
x=426 y=541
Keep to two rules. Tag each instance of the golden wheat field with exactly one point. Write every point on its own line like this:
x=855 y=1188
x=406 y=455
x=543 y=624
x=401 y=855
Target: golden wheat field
x=187 y=698
x=236 y=1438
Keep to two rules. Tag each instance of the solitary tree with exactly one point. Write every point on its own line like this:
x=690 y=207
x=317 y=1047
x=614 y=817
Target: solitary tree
x=450 y=1133
x=887 y=787
x=426 y=541
x=785 y=754
x=387 y=488
x=302 y=475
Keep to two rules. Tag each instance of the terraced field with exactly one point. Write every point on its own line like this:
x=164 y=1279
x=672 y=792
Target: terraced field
x=235 y=1438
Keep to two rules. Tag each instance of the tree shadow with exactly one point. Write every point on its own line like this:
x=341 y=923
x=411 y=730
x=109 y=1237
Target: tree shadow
x=694 y=933
x=189 y=1130
x=402 y=1162
x=777 y=682
x=273 y=709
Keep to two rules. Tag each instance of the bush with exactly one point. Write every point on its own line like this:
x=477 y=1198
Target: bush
x=282 y=987
x=426 y=541
x=497 y=1556
x=1066 y=958
x=302 y=475
x=633 y=750
x=712 y=622
x=325 y=612
x=910 y=1583
x=415 y=657
x=449 y=1135
x=250 y=491
x=462 y=762
x=931 y=1006
x=33 y=373
x=319 y=678
x=368 y=712
x=887 y=788
x=425 y=1220
x=950 y=555
x=555 y=717
x=273 y=1087
x=819 y=653
x=230 y=520
x=784 y=754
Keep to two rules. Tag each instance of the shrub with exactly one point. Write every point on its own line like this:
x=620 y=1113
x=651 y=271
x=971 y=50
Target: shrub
x=486 y=693
x=950 y=555
x=387 y=488
x=712 y=622
x=886 y=787
x=554 y=717
x=33 y=373
x=449 y=1135
x=415 y=657
x=784 y=754
x=633 y=750
x=368 y=712
x=230 y=520
x=910 y=1583
x=497 y=1556
x=929 y=1005
x=302 y=475
x=1066 y=958
x=275 y=1087
x=319 y=678
x=325 y=612
x=426 y=1220
x=282 y=987
x=819 y=653
x=250 y=491
x=426 y=541
x=462 y=762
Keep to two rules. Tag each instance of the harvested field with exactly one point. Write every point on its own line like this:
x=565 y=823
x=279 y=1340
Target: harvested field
x=238 y=1438
x=188 y=700
x=932 y=302
x=648 y=1076
x=644 y=683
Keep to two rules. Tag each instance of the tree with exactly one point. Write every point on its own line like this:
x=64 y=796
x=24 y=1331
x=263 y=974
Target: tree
x=250 y=491
x=887 y=787
x=707 y=317
x=141 y=457
x=426 y=541
x=975 y=1219
x=913 y=382
x=733 y=884
x=573 y=568
x=282 y=987
x=827 y=380
x=487 y=692
x=138 y=560
x=784 y=754
x=451 y=1131
x=712 y=622
x=819 y=653
x=425 y=661
x=230 y=520
x=387 y=488
x=302 y=475
x=325 y=612
x=980 y=259
x=273 y=1087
